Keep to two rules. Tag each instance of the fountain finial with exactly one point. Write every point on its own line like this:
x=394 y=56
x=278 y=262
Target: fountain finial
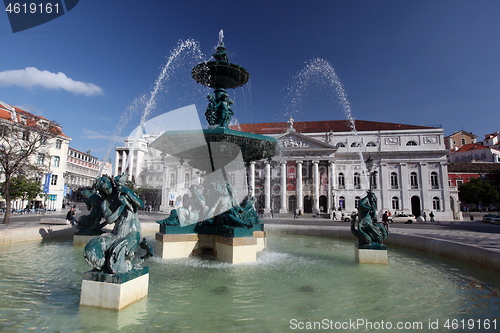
x=221 y=37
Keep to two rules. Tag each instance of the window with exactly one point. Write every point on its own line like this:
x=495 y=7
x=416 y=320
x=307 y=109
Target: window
x=373 y=180
x=26 y=135
x=356 y=202
x=342 y=203
x=436 y=203
x=58 y=143
x=395 y=203
x=434 y=180
x=411 y=143
x=56 y=161
x=53 y=180
x=186 y=180
x=371 y=144
x=40 y=159
x=340 y=144
x=355 y=144
x=413 y=180
x=394 y=180
x=43 y=140
x=463 y=141
x=341 y=180
x=172 y=180
x=357 y=181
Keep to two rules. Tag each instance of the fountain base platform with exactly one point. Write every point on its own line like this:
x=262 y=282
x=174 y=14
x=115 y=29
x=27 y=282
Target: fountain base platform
x=114 y=291
x=232 y=250
x=370 y=255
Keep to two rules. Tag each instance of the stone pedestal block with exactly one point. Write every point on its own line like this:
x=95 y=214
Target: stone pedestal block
x=173 y=246
x=371 y=256
x=236 y=250
x=82 y=240
x=115 y=291
x=261 y=237
x=228 y=249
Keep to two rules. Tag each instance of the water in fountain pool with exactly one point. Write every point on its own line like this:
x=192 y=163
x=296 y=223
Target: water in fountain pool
x=297 y=277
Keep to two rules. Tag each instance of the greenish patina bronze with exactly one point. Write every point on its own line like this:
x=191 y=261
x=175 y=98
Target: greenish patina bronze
x=90 y=224
x=216 y=150
x=220 y=74
x=370 y=234
x=122 y=250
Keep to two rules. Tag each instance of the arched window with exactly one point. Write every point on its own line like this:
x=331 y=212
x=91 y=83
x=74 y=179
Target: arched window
x=436 y=203
x=434 y=180
x=411 y=143
x=342 y=203
x=394 y=180
x=395 y=203
x=355 y=144
x=171 y=182
x=341 y=180
x=357 y=181
x=186 y=180
x=356 y=202
x=371 y=144
x=340 y=144
x=413 y=180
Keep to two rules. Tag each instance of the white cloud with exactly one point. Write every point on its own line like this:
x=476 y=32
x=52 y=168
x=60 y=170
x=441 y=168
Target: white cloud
x=31 y=77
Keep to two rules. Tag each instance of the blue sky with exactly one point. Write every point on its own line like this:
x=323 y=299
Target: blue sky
x=412 y=62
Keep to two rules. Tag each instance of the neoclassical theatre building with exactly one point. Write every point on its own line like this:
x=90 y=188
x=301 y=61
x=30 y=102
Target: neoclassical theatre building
x=321 y=167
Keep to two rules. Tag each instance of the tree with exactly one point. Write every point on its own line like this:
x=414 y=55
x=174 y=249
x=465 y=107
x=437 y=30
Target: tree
x=478 y=191
x=19 y=143
x=24 y=188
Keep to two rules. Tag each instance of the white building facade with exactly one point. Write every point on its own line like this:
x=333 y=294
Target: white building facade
x=81 y=171
x=321 y=167
x=50 y=158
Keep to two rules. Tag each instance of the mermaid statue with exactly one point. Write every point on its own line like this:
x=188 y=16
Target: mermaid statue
x=121 y=250
x=370 y=233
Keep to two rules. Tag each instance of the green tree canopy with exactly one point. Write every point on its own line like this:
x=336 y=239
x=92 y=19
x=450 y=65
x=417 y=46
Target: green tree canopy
x=24 y=188
x=478 y=191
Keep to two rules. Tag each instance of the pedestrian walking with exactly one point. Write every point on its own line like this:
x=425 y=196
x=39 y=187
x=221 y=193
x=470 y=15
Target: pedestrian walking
x=295 y=214
x=385 y=220
x=431 y=215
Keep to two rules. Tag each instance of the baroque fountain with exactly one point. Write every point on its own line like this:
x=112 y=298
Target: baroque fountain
x=216 y=221
x=299 y=282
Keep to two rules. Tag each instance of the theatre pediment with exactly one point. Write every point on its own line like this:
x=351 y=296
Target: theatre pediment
x=294 y=143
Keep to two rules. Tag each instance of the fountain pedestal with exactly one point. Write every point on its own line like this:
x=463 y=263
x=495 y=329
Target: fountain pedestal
x=114 y=291
x=371 y=255
x=171 y=245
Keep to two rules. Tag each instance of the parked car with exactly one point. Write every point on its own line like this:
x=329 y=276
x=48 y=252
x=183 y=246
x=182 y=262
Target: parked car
x=402 y=218
x=489 y=218
x=346 y=216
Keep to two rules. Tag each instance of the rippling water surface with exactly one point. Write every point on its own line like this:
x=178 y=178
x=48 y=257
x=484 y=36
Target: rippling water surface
x=298 y=279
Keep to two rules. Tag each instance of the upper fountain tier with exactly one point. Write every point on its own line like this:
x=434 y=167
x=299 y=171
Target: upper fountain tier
x=220 y=73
